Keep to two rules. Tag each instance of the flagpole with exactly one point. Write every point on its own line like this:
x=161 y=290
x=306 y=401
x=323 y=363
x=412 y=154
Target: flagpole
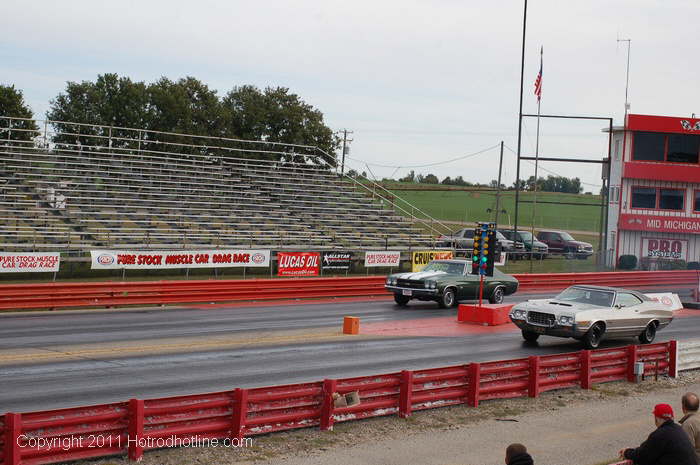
x=537 y=154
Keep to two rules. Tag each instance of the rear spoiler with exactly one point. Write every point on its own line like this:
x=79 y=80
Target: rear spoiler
x=668 y=299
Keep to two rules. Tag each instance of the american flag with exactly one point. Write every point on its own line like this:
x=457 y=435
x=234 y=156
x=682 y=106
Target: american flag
x=538 y=81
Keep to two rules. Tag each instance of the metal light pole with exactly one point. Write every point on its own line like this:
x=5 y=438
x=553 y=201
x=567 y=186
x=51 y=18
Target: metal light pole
x=520 y=122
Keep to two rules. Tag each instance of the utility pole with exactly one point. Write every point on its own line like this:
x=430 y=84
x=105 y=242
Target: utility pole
x=498 y=188
x=346 y=149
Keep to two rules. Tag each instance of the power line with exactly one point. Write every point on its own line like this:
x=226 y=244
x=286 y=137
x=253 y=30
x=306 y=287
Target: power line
x=429 y=164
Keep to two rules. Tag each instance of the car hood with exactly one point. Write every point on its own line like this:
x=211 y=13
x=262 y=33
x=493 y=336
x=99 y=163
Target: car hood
x=577 y=243
x=557 y=307
x=420 y=275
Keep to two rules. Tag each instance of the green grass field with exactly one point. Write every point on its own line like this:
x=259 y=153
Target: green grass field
x=464 y=206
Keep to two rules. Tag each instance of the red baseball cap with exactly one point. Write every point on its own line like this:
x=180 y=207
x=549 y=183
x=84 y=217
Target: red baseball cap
x=664 y=411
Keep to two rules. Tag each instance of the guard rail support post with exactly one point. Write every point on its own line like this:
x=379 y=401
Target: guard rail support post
x=631 y=360
x=673 y=359
x=533 y=387
x=474 y=370
x=329 y=386
x=135 y=437
x=406 y=394
x=13 y=430
x=240 y=413
x=586 y=373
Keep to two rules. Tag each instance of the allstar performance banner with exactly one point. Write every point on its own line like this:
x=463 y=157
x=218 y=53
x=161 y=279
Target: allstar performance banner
x=159 y=259
x=29 y=262
x=336 y=260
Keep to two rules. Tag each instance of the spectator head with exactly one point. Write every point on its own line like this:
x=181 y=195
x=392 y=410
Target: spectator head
x=662 y=413
x=690 y=402
x=513 y=450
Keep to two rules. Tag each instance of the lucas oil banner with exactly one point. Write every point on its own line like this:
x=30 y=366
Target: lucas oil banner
x=29 y=262
x=159 y=259
x=422 y=258
x=298 y=263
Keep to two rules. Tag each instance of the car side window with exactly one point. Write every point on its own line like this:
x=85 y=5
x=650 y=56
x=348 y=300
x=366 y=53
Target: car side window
x=625 y=299
x=544 y=236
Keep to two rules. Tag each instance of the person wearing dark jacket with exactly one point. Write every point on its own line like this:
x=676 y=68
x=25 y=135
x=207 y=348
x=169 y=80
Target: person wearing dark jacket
x=668 y=444
x=516 y=454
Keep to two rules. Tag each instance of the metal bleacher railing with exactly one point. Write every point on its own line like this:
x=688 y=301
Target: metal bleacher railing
x=68 y=186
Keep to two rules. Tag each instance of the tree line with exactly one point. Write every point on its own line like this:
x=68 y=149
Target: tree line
x=549 y=184
x=184 y=106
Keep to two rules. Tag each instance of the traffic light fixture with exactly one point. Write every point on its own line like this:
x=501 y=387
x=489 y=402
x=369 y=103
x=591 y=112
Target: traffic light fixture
x=484 y=253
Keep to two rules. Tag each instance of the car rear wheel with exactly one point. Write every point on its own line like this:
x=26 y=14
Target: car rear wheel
x=401 y=300
x=448 y=299
x=591 y=340
x=497 y=295
x=530 y=336
x=647 y=336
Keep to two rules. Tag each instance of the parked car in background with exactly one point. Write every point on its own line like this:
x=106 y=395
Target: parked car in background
x=593 y=313
x=514 y=249
x=535 y=248
x=561 y=242
x=462 y=239
x=447 y=282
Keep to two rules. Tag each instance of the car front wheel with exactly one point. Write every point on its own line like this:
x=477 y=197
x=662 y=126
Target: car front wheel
x=448 y=298
x=591 y=340
x=530 y=336
x=647 y=336
x=401 y=300
x=497 y=295
x=569 y=254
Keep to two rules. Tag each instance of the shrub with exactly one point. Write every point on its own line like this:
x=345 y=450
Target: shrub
x=694 y=265
x=627 y=262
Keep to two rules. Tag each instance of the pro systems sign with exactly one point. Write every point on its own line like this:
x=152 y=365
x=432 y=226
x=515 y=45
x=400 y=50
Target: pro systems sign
x=159 y=259
x=669 y=249
x=298 y=263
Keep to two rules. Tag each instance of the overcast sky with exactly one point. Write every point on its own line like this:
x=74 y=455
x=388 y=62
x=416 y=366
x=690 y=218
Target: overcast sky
x=417 y=81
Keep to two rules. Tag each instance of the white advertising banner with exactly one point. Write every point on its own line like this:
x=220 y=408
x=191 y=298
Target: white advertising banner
x=673 y=249
x=164 y=259
x=383 y=258
x=30 y=262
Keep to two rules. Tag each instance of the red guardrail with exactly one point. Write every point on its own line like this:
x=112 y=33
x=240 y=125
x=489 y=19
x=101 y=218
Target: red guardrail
x=107 y=294
x=138 y=425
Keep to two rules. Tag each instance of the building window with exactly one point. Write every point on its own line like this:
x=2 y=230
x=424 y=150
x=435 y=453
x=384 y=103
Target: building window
x=649 y=146
x=683 y=148
x=696 y=204
x=643 y=197
x=671 y=199
x=617 y=149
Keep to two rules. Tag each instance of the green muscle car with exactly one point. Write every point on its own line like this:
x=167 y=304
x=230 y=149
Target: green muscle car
x=447 y=282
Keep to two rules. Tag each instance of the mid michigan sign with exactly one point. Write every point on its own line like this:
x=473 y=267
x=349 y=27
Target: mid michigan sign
x=653 y=223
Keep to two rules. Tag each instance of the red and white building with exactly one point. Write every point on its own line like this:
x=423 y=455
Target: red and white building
x=655 y=189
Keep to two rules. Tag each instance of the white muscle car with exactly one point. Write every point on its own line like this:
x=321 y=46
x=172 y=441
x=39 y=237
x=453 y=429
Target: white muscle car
x=592 y=313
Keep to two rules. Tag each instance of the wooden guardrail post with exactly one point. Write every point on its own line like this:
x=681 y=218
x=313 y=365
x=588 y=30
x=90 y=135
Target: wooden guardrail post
x=673 y=359
x=135 y=439
x=533 y=387
x=406 y=394
x=474 y=384
x=586 y=372
x=240 y=413
x=13 y=430
x=329 y=387
x=631 y=360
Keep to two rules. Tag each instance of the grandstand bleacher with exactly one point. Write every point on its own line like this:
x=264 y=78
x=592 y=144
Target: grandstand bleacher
x=97 y=186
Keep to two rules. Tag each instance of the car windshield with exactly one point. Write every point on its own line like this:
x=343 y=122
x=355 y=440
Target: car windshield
x=525 y=236
x=447 y=267
x=587 y=296
x=566 y=236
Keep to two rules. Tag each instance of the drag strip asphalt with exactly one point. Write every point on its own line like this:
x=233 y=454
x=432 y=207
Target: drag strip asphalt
x=111 y=377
